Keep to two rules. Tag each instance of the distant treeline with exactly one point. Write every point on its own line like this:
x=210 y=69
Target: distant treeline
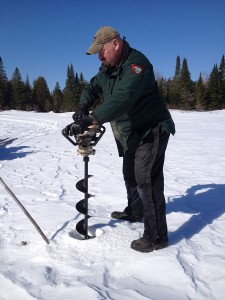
x=179 y=92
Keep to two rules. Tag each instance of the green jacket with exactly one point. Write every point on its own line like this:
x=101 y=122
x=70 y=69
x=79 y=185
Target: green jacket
x=131 y=101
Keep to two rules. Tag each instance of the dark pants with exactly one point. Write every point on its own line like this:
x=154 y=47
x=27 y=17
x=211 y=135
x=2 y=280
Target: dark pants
x=143 y=175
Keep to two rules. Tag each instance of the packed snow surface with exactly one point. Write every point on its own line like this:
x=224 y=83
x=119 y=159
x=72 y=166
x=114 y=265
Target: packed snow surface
x=41 y=168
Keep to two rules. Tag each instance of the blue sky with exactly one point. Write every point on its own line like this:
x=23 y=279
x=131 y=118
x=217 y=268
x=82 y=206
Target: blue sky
x=41 y=37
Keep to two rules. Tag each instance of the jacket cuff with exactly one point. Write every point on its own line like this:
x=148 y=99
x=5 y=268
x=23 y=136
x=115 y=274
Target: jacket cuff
x=96 y=120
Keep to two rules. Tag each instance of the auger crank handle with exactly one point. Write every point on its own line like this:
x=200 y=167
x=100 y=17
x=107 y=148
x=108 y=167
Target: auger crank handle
x=94 y=132
x=66 y=135
x=100 y=130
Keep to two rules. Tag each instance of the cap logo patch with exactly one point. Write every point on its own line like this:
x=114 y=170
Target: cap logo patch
x=137 y=69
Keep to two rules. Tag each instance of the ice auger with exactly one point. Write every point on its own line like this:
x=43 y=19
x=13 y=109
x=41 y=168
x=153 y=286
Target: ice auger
x=85 y=142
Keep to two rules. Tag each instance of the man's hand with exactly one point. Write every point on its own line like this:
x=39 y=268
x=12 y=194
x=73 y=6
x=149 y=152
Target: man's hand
x=82 y=110
x=80 y=126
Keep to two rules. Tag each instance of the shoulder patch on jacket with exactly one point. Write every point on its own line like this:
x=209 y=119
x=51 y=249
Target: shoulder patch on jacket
x=137 y=69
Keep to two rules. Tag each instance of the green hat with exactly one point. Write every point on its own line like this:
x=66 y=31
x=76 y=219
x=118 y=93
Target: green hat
x=103 y=35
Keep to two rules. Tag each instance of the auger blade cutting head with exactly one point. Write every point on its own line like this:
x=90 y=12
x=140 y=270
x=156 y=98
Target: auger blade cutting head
x=80 y=185
x=81 y=229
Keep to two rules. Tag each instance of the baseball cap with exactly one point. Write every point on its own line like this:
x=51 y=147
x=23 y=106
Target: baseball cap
x=103 y=35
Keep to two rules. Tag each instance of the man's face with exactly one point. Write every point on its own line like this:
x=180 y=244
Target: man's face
x=108 y=54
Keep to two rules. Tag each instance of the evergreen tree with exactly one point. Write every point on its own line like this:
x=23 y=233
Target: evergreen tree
x=57 y=98
x=187 y=100
x=82 y=83
x=177 y=69
x=41 y=95
x=81 y=79
x=18 y=90
x=173 y=87
x=76 y=79
x=167 y=85
x=4 y=88
x=162 y=84
x=28 y=103
x=70 y=99
x=214 y=90
x=222 y=79
x=200 y=94
x=173 y=95
x=77 y=89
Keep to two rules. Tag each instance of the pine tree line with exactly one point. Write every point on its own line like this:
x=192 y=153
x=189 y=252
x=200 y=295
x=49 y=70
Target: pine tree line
x=20 y=95
x=180 y=92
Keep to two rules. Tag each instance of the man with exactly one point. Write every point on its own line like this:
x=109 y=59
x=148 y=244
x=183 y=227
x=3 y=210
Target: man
x=141 y=124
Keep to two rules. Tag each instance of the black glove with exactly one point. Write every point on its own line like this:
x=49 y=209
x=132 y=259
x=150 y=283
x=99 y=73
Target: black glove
x=82 y=110
x=80 y=126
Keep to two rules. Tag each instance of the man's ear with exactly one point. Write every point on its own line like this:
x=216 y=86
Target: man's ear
x=115 y=43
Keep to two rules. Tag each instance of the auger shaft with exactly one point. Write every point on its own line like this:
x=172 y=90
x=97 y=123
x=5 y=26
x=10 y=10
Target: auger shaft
x=82 y=205
x=86 y=195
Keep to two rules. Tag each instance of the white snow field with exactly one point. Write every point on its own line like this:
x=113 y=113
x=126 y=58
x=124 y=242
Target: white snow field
x=41 y=168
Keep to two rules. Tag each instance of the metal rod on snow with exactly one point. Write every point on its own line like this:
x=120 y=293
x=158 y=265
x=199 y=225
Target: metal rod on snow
x=24 y=210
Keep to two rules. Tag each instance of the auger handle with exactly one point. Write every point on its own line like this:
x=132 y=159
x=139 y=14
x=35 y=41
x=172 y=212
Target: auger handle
x=97 y=129
x=64 y=133
x=101 y=131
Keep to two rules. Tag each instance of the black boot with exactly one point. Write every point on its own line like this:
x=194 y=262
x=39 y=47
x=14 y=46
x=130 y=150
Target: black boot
x=121 y=215
x=144 y=245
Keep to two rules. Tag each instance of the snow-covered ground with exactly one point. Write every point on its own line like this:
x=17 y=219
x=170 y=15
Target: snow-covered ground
x=41 y=167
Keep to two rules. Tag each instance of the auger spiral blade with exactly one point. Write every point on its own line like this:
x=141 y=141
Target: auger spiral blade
x=82 y=207
x=82 y=228
x=81 y=186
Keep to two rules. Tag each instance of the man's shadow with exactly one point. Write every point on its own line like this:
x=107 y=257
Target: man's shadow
x=9 y=153
x=205 y=203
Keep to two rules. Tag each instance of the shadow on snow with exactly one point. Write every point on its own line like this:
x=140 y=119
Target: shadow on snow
x=11 y=152
x=205 y=203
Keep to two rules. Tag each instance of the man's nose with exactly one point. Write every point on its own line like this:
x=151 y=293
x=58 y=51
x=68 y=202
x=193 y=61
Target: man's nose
x=100 y=55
